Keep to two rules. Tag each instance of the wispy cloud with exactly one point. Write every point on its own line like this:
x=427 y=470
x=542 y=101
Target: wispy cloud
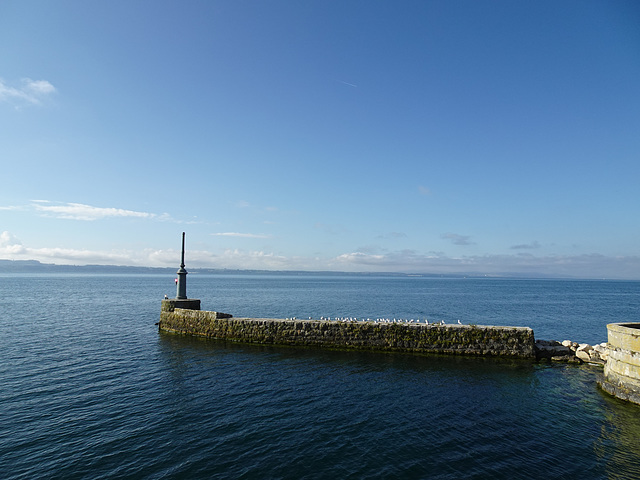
x=526 y=246
x=331 y=229
x=457 y=239
x=243 y=204
x=80 y=211
x=29 y=92
x=424 y=190
x=241 y=235
x=392 y=235
x=83 y=212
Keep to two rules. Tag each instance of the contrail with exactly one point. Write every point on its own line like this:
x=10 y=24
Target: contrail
x=350 y=84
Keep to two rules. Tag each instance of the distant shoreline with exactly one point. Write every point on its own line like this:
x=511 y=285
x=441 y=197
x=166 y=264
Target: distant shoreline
x=35 y=266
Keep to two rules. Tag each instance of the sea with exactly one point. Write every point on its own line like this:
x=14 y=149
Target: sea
x=90 y=389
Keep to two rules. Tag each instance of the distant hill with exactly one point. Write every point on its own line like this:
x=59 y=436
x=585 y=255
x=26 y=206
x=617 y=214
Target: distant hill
x=34 y=266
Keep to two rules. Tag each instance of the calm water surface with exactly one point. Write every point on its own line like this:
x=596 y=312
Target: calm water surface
x=91 y=389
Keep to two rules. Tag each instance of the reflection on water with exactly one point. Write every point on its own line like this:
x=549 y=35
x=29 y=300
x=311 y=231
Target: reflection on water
x=480 y=415
x=619 y=442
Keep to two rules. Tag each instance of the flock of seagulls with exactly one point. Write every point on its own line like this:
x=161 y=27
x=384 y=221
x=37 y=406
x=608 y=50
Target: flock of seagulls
x=379 y=320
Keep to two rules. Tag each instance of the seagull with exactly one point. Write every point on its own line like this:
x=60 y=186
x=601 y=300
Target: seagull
x=459 y=322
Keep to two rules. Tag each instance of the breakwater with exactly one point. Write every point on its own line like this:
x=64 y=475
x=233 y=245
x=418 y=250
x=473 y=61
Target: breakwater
x=474 y=340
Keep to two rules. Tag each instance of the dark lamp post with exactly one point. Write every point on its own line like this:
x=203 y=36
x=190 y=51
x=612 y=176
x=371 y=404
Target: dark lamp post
x=182 y=277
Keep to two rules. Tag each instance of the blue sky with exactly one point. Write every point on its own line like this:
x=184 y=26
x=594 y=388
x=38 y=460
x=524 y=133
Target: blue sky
x=486 y=137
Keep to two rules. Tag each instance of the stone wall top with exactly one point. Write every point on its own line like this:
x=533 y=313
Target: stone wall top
x=370 y=335
x=625 y=336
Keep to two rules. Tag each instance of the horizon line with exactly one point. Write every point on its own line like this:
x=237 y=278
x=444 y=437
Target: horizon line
x=30 y=264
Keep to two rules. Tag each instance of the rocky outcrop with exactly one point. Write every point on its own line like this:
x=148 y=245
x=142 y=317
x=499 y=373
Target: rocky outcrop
x=571 y=352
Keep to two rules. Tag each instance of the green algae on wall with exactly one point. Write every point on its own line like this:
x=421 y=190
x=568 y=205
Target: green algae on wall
x=394 y=337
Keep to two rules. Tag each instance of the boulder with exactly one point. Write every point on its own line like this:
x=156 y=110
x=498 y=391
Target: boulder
x=549 y=349
x=571 y=352
x=566 y=358
x=600 y=352
x=583 y=352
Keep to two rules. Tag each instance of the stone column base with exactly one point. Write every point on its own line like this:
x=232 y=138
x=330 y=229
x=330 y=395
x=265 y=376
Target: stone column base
x=622 y=371
x=171 y=304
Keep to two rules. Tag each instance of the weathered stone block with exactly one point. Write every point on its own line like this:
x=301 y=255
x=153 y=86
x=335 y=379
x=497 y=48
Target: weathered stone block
x=622 y=370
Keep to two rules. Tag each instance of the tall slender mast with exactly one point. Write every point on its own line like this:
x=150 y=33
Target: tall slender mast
x=182 y=258
x=182 y=277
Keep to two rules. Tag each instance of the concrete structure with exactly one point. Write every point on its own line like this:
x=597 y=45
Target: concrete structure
x=622 y=370
x=514 y=342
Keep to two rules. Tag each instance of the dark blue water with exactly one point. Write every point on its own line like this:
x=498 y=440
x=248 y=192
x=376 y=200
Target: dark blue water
x=90 y=389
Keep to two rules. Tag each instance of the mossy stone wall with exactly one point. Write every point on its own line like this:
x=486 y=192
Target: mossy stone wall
x=416 y=338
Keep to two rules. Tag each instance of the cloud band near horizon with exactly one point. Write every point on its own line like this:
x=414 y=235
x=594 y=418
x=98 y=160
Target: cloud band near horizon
x=588 y=266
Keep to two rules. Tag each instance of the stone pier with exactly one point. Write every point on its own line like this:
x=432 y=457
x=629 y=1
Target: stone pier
x=472 y=340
